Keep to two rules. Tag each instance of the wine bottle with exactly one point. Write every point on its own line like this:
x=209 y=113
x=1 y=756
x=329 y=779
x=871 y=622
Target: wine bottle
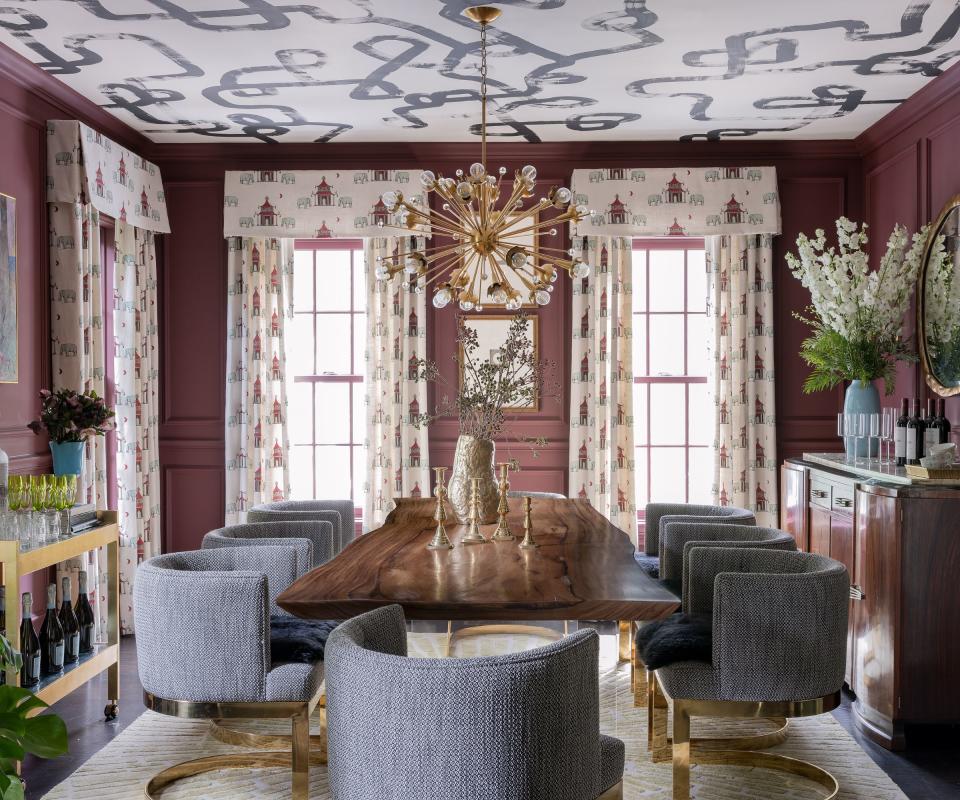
x=932 y=436
x=915 y=433
x=944 y=422
x=29 y=645
x=70 y=624
x=51 y=636
x=901 y=432
x=84 y=615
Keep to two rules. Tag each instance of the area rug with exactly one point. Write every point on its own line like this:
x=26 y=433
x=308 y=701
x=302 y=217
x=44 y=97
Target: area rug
x=153 y=742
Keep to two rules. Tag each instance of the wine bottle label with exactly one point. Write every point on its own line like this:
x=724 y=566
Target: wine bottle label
x=74 y=646
x=901 y=443
x=58 y=655
x=33 y=666
x=932 y=437
x=911 y=442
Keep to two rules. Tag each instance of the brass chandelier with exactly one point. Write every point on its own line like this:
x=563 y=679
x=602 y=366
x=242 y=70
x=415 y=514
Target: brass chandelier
x=487 y=258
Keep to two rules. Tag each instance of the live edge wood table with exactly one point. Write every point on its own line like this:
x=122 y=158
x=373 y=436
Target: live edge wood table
x=584 y=569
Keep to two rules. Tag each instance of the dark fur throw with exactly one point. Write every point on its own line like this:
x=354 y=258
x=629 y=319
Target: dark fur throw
x=682 y=637
x=298 y=641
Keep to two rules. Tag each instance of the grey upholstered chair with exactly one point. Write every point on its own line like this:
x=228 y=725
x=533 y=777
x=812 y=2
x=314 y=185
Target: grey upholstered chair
x=338 y=513
x=523 y=726
x=779 y=640
x=658 y=514
x=319 y=535
x=204 y=652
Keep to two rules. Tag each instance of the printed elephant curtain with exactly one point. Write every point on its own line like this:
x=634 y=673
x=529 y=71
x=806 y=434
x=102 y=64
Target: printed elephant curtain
x=740 y=307
x=397 y=452
x=136 y=375
x=601 y=398
x=259 y=306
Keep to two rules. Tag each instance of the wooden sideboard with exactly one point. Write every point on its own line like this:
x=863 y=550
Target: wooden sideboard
x=901 y=544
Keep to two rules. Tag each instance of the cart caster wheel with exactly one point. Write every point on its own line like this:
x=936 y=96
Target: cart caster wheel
x=110 y=712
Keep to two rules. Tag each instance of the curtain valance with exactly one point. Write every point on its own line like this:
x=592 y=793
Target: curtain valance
x=315 y=204
x=687 y=201
x=84 y=166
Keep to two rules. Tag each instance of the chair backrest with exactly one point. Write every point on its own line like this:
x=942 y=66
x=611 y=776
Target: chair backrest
x=337 y=512
x=537 y=495
x=313 y=541
x=202 y=621
x=657 y=514
x=513 y=727
x=779 y=621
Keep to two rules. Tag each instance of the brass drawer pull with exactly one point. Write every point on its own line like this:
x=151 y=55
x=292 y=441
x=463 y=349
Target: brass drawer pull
x=818 y=493
x=844 y=502
x=856 y=593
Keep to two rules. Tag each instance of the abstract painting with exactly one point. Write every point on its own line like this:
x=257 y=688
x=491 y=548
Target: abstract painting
x=8 y=289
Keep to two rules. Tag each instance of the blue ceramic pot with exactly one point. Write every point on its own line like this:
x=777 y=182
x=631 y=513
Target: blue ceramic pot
x=67 y=457
x=861 y=398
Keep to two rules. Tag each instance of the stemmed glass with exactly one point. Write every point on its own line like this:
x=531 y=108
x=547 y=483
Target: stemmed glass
x=38 y=499
x=874 y=422
x=887 y=428
x=64 y=500
x=842 y=430
x=51 y=516
x=861 y=432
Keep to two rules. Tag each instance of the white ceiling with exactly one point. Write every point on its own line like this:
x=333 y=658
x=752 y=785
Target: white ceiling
x=406 y=70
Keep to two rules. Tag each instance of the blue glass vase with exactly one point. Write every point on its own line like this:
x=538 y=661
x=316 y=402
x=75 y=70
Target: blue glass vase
x=67 y=457
x=862 y=397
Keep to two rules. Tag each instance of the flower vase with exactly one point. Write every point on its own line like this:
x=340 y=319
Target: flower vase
x=67 y=457
x=862 y=397
x=473 y=459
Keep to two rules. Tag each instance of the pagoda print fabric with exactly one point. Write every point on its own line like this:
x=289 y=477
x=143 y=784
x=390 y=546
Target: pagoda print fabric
x=259 y=305
x=601 y=397
x=397 y=452
x=136 y=376
x=740 y=307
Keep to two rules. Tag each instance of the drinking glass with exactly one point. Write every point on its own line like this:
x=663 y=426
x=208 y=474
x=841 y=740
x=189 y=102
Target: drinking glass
x=51 y=518
x=888 y=424
x=862 y=432
x=842 y=431
x=63 y=501
x=874 y=420
x=38 y=497
x=850 y=432
x=15 y=492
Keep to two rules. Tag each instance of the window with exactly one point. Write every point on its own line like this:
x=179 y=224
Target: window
x=325 y=351
x=673 y=411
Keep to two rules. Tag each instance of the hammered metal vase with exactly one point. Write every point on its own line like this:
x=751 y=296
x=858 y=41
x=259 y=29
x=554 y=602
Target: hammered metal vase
x=473 y=459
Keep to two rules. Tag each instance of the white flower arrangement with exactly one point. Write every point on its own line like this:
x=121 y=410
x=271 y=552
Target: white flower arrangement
x=856 y=313
x=942 y=301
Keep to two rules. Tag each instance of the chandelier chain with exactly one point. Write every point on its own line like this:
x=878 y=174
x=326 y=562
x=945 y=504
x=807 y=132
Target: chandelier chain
x=483 y=94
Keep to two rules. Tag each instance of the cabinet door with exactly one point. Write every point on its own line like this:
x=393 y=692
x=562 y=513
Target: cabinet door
x=819 y=531
x=793 y=504
x=842 y=549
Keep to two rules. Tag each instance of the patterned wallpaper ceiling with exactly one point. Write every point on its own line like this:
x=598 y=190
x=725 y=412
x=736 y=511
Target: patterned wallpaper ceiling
x=389 y=70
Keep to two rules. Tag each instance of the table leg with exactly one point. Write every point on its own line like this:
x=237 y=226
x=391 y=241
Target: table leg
x=626 y=640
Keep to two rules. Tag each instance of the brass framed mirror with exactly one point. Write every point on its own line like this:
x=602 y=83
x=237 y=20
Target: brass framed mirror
x=938 y=303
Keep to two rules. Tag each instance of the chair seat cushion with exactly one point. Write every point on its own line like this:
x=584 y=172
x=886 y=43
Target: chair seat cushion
x=298 y=641
x=294 y=682
x=681 y=637
x=611 y=761
x=649 y=564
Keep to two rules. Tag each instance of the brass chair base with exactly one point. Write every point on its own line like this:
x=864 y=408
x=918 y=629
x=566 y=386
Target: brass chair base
x=266 y=741
x=453 y=636
x=771 y=761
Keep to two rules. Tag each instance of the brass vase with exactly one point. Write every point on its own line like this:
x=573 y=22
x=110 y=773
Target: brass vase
x=473 y=459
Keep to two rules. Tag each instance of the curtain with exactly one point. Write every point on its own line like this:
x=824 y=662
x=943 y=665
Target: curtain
x=259 y=305
x=397 y=452
x=740 y=307
x=77 y=358
x=601 y=397
x=135 y=391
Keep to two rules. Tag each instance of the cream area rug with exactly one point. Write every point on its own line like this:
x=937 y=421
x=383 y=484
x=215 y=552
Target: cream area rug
x=153 y=742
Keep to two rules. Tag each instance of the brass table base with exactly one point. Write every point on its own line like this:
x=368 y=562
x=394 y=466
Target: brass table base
x=454 y=636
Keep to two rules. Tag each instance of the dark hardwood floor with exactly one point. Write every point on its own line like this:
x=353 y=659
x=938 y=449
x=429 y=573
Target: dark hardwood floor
x=929 y=770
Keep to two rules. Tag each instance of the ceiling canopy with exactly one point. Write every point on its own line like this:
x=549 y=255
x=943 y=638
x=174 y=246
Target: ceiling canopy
x=386 y=70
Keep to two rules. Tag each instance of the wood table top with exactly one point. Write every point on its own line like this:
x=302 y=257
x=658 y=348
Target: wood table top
x=584 y=569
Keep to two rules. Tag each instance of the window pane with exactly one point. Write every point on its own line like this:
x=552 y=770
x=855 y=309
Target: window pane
x=299 y=347
x=333 y=413
x=359 y=343
x=301 y=473
x=639 y=345
x=333 y=472
x=359 y=412
x=668 y=475
x=701 y=414
x=359 y=280
x=666 y=280
x=666 y=344
x=667 y=413
x=640 y=413
x=333 y=350
x=641 y=477
x=300 y=413
x=359 y=475
x=639 y=280
x=303 y=280
x=696 y=344
x=696 y=281
x=333 y=280
x=701 y=475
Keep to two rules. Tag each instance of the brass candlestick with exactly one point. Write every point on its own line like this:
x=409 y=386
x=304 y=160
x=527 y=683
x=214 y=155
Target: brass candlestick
x=474 y=536
x=440 y=540
x=527 y=543
x=502 y=533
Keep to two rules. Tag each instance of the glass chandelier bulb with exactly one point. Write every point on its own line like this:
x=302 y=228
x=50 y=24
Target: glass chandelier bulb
x=513 y=304
x=580 y=270
x=541 y=297
x=465 y=190
x=491 y=180
x=529 y=172
x=478 y=307
x=389 y=200
x=582 y=210
x=563 y=195
x=442 y=297
x=466 y=305
x=553 y=231
x=382 y=272
x=503 y=170
x=498 y=294
x=427 y=179
x=411 y=265
x=404 y=284
x=517 y=258
x=447 y=183
x=477 y=170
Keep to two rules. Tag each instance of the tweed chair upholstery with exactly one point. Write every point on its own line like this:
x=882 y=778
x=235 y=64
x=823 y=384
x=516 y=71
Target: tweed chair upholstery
x=779 y=626
x=523 y=726
x=658 y=514
x=203 y=626
x=317 y=536
x=338 y=513
x=537 y=495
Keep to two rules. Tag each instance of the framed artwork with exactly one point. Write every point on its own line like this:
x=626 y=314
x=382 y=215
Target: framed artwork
x=8 y=289
x=530 y=242
x=492 y=331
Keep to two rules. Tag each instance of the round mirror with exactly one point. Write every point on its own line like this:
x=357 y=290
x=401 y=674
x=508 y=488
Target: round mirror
x=938 y=303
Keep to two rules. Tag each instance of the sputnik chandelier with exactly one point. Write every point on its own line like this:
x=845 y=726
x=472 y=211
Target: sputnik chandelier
x=490 y=255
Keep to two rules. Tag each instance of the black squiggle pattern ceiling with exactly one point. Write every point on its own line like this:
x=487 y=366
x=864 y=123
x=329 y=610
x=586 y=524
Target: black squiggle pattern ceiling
x=385 y=70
